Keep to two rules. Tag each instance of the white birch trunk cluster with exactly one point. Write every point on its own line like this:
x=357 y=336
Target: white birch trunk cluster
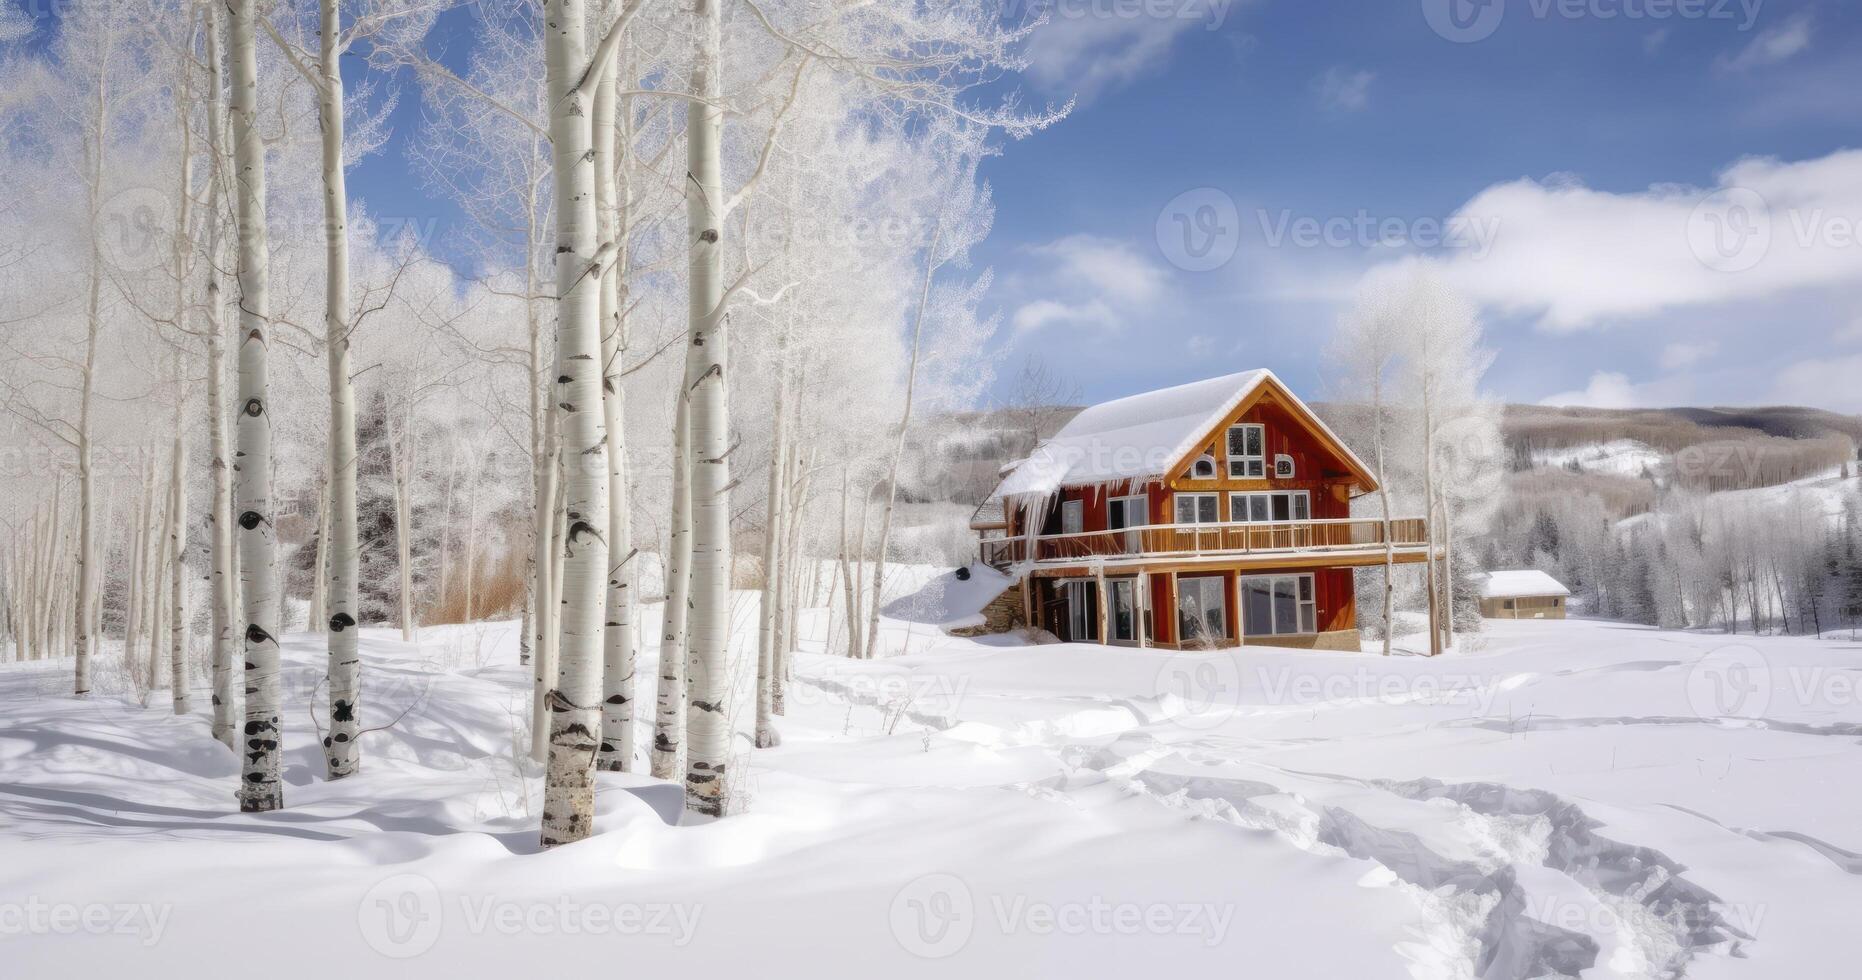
x=574 y=702
x=608 y=111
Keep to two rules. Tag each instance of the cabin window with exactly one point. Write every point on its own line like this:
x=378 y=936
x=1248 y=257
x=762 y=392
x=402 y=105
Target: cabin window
x=1247 y=452
x=1072 y=517
x=1283 y=467
x=1202 y=610
x=1203 y=468
x=1278 y=605
x=1263 y=507
x=1197 y=508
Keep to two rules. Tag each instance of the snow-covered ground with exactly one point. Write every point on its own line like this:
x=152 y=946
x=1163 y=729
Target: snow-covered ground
x=1571 y=796
x=1618 y=457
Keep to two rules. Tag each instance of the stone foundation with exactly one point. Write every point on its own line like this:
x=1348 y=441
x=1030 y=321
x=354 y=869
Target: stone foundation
x=1003 y=614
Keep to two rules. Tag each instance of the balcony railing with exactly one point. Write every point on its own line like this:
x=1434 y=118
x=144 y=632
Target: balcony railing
x=1197 y=540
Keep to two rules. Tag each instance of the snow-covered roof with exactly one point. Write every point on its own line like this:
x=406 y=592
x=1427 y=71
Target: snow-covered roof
x=1138 y=436
x=1518 y=583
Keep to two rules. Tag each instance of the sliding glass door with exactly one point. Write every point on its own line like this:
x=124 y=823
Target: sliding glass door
x=1278 y=605
x=1202 y=610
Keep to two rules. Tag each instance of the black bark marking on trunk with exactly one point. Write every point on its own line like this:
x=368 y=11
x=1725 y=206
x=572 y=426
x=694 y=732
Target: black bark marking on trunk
x=342 y=711
x=255 y=407
x=705 y=705
x=341 y=622
x=256 y=634
x=250 y=520
x=709 y=236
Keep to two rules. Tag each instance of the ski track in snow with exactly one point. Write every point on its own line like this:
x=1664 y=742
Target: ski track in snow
x=1489 y=808
x=1522 y=852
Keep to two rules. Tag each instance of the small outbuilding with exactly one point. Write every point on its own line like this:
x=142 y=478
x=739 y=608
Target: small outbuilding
x=1523 y=594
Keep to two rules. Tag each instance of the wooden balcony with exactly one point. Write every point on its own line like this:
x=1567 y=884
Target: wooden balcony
x=1349 y=538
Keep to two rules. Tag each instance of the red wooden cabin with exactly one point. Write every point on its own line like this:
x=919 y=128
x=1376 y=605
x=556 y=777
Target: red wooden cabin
x=1208 y=514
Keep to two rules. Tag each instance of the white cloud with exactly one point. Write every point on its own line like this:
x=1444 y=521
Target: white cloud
x=1345 y=90
x=1088 y=281
x=1850 y=334
x=1041 y=313
x=1830 y=382
x=1105 y=265
x=1654 y=40
x=1607 y=389
x=1572 y=256
x=1682 y=354
x=1087 y=49
x=1772 y=46
x=1613 y=389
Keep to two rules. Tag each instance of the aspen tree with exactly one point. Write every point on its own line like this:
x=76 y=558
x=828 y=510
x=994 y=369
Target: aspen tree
x=575 y=700
x=260 y=789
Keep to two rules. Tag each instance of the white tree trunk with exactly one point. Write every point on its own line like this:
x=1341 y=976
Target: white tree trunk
x=159 y=563
x=709 y=787
x=177 y=577
x=769 y=640
x=543 y=661
x=93 y=319
x=342 y=553
x=401 y=462
x=620 y=642
x=575 y=702
x=898 y=445
x=226 y=669
x=668 y=760
x=260 y=788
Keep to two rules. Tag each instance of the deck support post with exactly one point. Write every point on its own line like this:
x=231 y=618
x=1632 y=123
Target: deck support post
x=1172 y=612
x=1028 y=584
x=1435 y=633
x=1241 y=625
x=1099 y=582
x=1141 y=604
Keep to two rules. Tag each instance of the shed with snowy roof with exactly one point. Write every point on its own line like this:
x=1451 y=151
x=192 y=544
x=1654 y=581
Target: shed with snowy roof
x=1524 y=593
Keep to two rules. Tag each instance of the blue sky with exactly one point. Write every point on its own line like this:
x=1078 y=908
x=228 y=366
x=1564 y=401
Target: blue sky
x=1616 y=114
x=1326 y=110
